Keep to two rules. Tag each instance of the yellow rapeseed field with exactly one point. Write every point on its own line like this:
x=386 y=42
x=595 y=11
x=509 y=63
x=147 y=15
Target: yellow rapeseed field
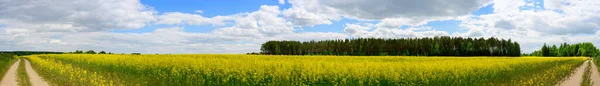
x=195 y=70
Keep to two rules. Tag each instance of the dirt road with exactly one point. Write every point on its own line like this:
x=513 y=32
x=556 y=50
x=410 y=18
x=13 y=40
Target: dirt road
x=10 y=78
x=34 y=78
x=577 y=78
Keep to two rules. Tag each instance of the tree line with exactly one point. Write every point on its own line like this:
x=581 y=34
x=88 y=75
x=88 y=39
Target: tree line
x=94 y=52
x=581 y=49
x=22 y=53
x=428 y=46
x=89 y=52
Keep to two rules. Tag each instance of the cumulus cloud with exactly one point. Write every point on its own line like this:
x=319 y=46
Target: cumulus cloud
x=232 y=31
x=302 y=17
x=266 y=20
x=393 y=23
x=554 y=4
x=239 y=33
x=163 y=40
x=475 y=32
x=380 y=9
x=314 y=12
x=504 y=24
x=307 y=36
x=73 y=15
x=400 y=33
x=531 y=24
x=191 y=19
x=548 y=22
x=361 y=31
x=354 y=29
x=503 y=6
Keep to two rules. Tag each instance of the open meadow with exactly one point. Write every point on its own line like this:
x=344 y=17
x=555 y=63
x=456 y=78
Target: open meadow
x=216 y=69
x=299 y=42
x=5 y=62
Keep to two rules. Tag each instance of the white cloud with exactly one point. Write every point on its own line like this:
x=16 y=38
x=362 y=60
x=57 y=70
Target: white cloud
x=307 y=36
x=393 y=23
x=266 y=20
x=503 y=6
x=553 y=4
x=281 y=1
x=361 y=31
x=164 y=40
x=380 y=9
x=354 y=29
x=474 y=32
x=504 y=24
x=55 y=41
x=240 y=33
x=301 y=17
x=559 y=21
x=232 y=31
x=315 y=12
x=73 y=15
x=191 y=19
x=548 y=22
x=400 y=33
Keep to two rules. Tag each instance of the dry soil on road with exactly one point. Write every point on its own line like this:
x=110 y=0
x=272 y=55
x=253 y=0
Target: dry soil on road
x=34 y=78
x=576 y=78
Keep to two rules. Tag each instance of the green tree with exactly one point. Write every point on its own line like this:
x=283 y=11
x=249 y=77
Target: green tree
x=434 y=46
x=101 y=52
x=545 y=50
x=78 y=52
x=554 y=51
x=90 y=52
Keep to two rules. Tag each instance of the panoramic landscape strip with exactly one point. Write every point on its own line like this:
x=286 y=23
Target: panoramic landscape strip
x=78 y=69
x=437 y=61
x=299 y=42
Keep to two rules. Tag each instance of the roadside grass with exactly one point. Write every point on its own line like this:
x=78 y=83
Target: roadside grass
x=596 y=62
x=22 y=76
x=586 y=75
x=6 y=60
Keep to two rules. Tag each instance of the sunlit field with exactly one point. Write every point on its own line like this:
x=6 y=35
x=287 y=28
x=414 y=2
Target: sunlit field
x=145 y=70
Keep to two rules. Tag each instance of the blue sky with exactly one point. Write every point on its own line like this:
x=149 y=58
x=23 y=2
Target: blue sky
x=240 y=26
x=230 y=7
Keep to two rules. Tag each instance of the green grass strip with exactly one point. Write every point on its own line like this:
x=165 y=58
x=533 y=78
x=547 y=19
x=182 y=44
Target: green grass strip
x=22 y=76
x=6 y=60
x=586 y=76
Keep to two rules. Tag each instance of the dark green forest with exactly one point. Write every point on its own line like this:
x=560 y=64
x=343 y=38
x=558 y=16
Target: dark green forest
x=567 y=50
x=429 y=46
x=22 y=53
